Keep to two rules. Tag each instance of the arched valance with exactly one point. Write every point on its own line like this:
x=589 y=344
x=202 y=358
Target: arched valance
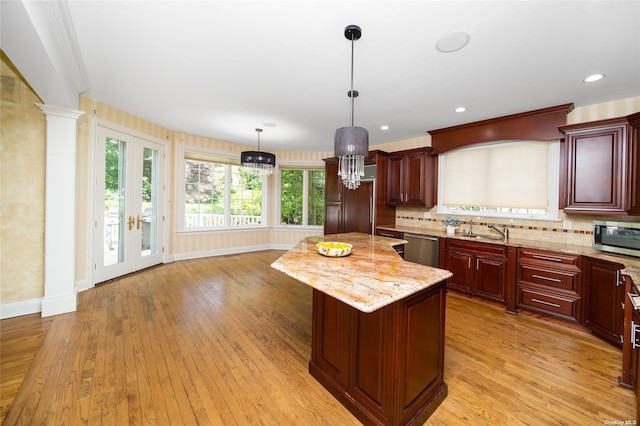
x=540 y=124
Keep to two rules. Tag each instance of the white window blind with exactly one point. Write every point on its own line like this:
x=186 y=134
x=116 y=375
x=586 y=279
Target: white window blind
x=512 y=174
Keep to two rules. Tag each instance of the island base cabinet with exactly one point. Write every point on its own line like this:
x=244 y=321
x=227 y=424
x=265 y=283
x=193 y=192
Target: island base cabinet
x=387 y=366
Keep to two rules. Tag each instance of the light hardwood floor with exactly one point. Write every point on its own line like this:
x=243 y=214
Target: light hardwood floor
x=226 y=341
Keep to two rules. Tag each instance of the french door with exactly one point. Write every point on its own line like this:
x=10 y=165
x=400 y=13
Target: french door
x=129 y=198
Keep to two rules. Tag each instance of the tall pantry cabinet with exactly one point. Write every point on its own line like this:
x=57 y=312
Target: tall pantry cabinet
x=357 y=210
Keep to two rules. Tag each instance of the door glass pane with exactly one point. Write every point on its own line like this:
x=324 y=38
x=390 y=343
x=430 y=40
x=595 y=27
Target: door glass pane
x=149 y=202
x=114 y=200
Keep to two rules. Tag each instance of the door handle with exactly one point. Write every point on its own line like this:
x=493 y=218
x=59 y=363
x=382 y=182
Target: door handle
x=138 y=222
x=131 y=221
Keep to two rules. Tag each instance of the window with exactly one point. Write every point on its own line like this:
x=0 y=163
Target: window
x=219 y=195
x=302 y=197
x=517 y=179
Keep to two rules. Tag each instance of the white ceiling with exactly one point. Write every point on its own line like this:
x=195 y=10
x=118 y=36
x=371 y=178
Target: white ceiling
x=220 y=69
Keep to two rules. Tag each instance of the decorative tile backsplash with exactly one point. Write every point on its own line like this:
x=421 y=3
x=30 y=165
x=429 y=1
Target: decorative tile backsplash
x=570 y=229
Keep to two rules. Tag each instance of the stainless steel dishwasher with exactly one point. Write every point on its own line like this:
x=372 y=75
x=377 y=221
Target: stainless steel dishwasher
x=423 y=249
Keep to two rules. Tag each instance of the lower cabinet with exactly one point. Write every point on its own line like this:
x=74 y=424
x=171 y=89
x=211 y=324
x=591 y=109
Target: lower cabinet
x=630 y=377
x=481 y=269
x=393 y=234
x=549 y=282
x=604 y=299
x=387 y=366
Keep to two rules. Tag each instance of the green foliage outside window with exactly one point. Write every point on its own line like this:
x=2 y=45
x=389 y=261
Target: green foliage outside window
x=293 y=210
x=207 y=191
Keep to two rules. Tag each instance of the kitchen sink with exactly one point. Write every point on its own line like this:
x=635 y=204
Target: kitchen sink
x=483 y=237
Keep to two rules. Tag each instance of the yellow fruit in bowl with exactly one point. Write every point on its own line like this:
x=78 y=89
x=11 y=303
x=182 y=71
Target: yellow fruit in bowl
x=334 y=249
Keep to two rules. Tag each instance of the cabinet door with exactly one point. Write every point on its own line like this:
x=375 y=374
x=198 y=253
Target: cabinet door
x=357 y=209
x=395 y=180
x=373 y=368
x=596 y=170
x=460 y=264
x=603 y=300
x=415 y=179
x=490 y=277
x=331 y=342
x=332 y=218
x=332 y=183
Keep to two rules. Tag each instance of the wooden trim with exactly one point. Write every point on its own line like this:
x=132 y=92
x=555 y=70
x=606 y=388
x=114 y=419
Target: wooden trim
x=541 y=124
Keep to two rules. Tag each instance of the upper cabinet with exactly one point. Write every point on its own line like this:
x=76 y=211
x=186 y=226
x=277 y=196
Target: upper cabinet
x=411 y=178
x=601 y=167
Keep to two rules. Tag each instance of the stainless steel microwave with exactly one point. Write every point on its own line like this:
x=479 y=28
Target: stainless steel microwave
x=617 y=237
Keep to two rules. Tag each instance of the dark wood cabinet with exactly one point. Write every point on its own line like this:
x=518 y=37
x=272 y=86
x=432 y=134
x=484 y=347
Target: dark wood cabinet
x=603 y=299
x=393 y=234
x=550 y=282
x=356 y=210
x=631 y=316
x=601 y=167
x=411 y=178
x=387 y=366
x=480 y=269
x=630 y=377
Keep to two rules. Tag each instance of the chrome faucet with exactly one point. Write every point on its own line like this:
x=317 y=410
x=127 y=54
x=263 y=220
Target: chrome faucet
x=504 y=232
x=470 y=231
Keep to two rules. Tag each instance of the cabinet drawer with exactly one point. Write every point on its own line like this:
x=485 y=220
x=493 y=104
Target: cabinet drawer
x=390 y=234
x=547 y=303
x=565 y=280
x=551 y=257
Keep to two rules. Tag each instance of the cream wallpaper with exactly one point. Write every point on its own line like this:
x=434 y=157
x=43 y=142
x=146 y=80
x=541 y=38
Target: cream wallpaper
x=22 y=189
x=22 y=176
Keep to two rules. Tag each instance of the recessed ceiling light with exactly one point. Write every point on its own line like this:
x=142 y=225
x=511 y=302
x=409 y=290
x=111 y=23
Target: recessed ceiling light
x=594 y=77
x=385 y=127
x=460 y=109
x=452 y=42
x=269 y=124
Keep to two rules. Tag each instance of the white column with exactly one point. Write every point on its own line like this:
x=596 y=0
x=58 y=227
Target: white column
x=60 y=211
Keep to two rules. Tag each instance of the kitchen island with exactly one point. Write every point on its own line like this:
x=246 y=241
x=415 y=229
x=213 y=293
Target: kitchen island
x=377 y=327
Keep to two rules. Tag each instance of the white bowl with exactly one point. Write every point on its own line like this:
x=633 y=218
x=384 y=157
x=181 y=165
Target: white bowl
x=334 y=249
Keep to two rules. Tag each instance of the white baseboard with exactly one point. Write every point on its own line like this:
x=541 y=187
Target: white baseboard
x=59 y=305
x=83 y=285
x=222 y=252
x=17 y=309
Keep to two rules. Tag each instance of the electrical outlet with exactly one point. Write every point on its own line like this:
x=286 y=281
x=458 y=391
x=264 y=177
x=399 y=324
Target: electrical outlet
x=427 y=215
x=567 y=224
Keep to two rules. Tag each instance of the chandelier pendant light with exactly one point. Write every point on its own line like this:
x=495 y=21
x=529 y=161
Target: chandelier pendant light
x=257 y=161
x=351 y=144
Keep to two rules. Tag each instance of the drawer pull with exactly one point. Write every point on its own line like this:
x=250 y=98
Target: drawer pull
x=552 y=259
x=634 y=340
x=555 y=305
x=555 y=280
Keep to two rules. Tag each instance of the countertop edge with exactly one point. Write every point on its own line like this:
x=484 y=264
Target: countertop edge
x=359 y=280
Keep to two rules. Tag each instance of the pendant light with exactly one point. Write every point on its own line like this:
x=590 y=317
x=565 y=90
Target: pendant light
x=258 y=161
x=351 y=144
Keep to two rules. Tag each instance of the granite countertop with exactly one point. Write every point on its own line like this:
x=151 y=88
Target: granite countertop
x=371 y=277
x=631 y=264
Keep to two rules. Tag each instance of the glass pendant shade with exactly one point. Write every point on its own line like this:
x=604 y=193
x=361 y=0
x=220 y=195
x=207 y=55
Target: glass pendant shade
x=258 y=161
x=351 y=146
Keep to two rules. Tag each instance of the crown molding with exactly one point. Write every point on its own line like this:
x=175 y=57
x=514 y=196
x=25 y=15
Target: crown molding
x=53 y=23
